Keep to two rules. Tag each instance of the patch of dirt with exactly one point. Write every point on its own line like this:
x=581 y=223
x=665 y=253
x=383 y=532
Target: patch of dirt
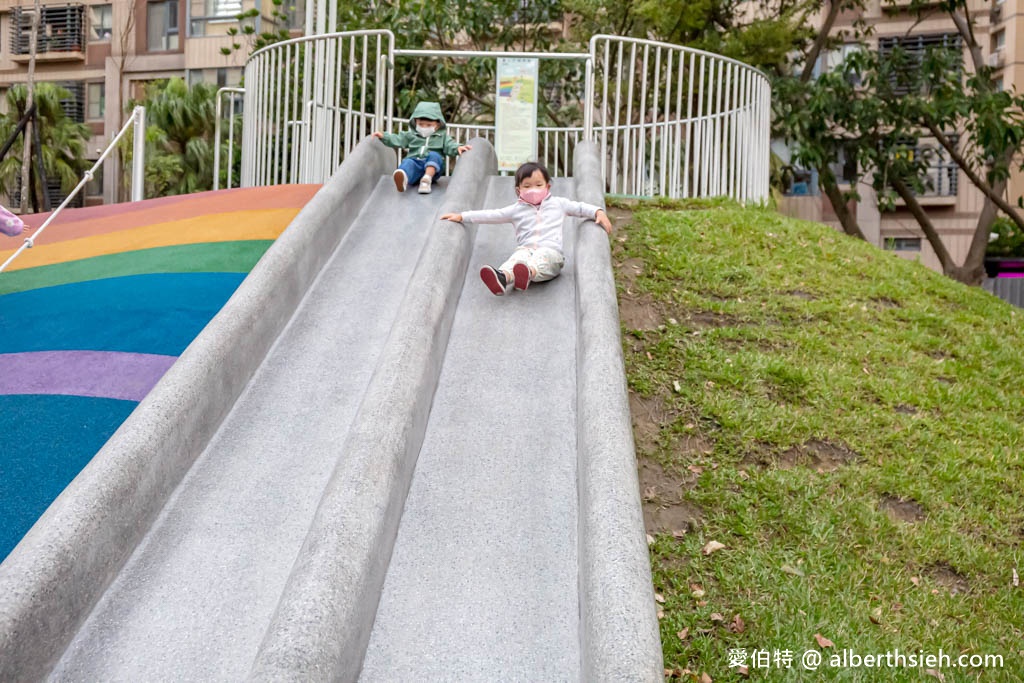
x=665 y=510
x=903 y=510
x=821 y=455
x=885 y=302
x=712 y=319
x=639 y=312
x=630 y=270
x=649 y=416
x=800 y=294
x=904 y=409
x=946 y=380
x=948 y=577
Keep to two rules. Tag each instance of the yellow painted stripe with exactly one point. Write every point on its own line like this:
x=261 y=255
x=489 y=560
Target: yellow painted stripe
x=230 y=226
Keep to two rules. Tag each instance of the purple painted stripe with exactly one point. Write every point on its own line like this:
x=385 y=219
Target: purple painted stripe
x=99 y=374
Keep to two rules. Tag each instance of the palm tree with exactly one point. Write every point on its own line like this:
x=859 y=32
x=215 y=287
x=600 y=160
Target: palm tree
x=64 y=141
x=180 y=124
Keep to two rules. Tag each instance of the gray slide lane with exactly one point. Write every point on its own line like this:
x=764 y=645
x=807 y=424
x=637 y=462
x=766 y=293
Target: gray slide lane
x=194 y=600
x=483 y=581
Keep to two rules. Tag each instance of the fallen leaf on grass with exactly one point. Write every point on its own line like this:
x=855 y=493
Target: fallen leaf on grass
x=661 y=614
x=792 y=570
x=876 y=615
x=823 y=641
x=678 y=533
x=696 y=469
x=1016 y=579
x=937 y=674
x=684 y=634
x=697 y=593
x=717 y=618
x=737 y=625
x=658 y=597
x=712 y=546
x=650 y=539
x=914 y=580
x=743 y=671
x=704 y=678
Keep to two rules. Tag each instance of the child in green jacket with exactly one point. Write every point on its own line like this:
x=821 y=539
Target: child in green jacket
x=427 y=144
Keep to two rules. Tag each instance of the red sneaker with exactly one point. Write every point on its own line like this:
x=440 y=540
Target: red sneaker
x=521 y=272
x=494 y=279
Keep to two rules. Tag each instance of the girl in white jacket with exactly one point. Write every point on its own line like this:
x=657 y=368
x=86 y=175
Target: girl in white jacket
x=537 y=218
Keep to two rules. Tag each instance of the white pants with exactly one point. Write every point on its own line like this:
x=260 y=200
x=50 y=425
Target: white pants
x=544 y=263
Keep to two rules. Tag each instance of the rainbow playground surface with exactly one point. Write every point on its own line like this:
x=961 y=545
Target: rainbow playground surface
x=98 y=310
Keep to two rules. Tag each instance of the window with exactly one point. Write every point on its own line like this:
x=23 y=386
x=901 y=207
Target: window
x=101 y=22
x=162 y=26
x=998 y=41
x=96 y=101
x=903 y=243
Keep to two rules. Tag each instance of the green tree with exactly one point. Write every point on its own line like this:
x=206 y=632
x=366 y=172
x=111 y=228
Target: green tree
x=64 y=142
x=877 y=109
x=180 y=124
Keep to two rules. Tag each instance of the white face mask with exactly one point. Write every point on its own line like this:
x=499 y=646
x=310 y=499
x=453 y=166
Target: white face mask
x=425 y=131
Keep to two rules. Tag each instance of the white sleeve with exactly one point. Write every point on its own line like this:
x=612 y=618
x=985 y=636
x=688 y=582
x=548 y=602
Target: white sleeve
x=502 y=215
x=580 y=209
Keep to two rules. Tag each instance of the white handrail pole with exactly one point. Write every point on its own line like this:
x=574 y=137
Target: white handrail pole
x=139 y=154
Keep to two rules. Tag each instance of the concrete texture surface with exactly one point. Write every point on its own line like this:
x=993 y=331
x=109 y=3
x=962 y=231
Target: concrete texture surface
x=482 y=584
x=619 y=624
x=197 y=595
x=53 y=578
x=323 y=621
x=366 y=468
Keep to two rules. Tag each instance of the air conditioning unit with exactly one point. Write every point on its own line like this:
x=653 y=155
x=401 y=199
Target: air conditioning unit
x=995 y=60
x=996 y=14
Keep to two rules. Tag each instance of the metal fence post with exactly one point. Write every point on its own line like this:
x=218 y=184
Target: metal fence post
x=139 y=154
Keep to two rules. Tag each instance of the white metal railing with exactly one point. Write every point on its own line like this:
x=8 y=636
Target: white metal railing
x=232 y=94
x=670 y=120
x=136 y=121
x=679 y=122
x=308 y=101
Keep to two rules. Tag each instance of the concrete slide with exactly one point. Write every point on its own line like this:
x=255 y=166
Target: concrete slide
x=366 y=468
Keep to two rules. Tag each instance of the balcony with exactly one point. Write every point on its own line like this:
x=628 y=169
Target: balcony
x=941 y=183
x=995 y=60
x=60 y=36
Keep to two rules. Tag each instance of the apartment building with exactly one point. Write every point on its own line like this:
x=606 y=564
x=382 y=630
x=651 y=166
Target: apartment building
x=105 y=52
x=952 y=202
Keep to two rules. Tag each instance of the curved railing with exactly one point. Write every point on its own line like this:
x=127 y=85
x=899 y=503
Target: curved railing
x=308 y=101
x=679 y=122
x=670 y=120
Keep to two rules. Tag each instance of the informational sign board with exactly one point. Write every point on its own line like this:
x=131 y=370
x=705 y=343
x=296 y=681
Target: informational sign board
x=515 y=112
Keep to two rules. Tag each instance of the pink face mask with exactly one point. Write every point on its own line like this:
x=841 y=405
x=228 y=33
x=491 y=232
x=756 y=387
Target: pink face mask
x=534 y=195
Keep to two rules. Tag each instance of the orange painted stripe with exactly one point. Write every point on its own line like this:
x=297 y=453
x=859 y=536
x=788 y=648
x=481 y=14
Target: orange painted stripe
x=97 y=220
x=264 y=224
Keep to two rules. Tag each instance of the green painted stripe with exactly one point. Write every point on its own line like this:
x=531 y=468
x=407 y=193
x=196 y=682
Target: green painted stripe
x=212 y=257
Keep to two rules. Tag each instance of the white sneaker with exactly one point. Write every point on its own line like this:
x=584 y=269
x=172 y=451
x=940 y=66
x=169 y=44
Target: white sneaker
x=426 y=184
x=401 y=180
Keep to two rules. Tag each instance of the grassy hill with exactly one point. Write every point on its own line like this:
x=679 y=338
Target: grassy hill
x=847 y=424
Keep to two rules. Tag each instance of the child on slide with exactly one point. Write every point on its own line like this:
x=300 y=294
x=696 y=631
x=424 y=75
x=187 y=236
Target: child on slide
x=427 y=144
x=538 y=219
